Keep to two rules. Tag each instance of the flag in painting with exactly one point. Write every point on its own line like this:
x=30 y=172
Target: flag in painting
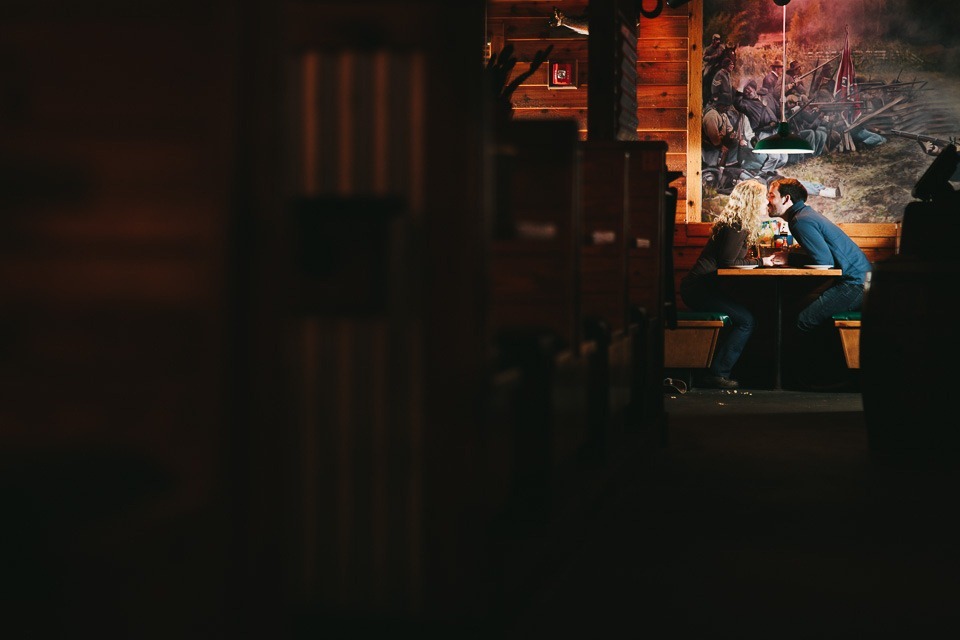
x=845 y=85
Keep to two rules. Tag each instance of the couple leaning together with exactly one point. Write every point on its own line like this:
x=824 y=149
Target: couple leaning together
x=734 y=231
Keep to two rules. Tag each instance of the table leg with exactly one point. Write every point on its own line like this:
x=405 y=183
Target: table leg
x=778 y=336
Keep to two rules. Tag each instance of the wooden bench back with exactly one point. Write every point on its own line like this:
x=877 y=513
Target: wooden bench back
x=603 y=251
x=646 y=244
x=621 y=251
x=534 y=270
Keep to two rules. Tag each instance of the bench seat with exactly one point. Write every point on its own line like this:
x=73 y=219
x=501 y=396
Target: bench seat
x=692 y=343
x=848 y=324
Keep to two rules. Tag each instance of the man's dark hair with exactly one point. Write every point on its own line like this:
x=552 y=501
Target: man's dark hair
x=791 y=187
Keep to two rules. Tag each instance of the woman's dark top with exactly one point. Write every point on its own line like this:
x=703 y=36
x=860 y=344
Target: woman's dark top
x=726 y=247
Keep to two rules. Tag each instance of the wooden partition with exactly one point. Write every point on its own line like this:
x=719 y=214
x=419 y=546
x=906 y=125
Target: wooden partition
x=575 y=309
x=534 y=262
x=535 y=325
x=603 y=279
x=603 y=248
x=622 y=263
x=647 y=246
x=534 y=300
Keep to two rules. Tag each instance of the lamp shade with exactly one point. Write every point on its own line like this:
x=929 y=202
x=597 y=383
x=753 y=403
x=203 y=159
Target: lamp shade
x=783 y=142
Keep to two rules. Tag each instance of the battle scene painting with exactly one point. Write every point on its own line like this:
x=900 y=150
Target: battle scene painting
x=873 y=86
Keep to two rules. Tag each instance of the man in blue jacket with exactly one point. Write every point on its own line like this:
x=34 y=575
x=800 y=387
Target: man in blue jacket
x=822 y=242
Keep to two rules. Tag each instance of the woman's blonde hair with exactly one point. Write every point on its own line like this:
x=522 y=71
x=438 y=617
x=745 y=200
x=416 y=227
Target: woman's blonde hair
x=746 y=209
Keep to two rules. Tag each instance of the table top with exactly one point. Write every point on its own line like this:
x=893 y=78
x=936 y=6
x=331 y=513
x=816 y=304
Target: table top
x=779 y=271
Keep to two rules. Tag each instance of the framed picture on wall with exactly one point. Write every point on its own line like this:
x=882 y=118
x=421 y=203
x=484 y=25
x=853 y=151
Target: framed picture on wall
x=562 y=75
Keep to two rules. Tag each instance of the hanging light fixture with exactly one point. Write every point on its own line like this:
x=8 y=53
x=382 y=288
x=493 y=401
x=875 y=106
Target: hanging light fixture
x=783 y=141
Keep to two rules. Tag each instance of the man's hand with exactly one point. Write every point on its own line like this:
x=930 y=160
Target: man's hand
x=775 y=259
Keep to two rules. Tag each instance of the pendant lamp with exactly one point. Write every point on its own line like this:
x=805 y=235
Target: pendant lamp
x=783 y=141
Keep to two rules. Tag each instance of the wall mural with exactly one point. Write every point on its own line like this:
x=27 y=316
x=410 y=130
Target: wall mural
x=872 y=85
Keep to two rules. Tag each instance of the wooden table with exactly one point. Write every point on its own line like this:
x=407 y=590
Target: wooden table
x=778 y=274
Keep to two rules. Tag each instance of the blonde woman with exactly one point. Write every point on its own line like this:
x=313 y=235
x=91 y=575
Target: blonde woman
x=734 y=231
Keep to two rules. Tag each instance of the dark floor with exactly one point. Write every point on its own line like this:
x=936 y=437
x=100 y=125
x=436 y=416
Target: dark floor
x=766 y=515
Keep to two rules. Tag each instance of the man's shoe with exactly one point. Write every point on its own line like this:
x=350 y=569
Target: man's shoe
x=718 y=382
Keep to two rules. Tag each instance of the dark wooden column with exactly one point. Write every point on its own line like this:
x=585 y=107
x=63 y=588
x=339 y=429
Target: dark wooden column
x=612 y=59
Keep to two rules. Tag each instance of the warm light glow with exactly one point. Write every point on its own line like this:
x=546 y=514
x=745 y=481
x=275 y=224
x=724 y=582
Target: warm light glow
x=783 y=141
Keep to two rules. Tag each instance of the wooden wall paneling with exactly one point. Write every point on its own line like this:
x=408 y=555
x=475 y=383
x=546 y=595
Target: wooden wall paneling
x=661 y=96
x=674 y=139
x=525 y=26
x=667 y=50
x=538 y=77
x=495 y=38
x=663 y=62
x=694 y=185
x=535 y=28
x=655 y=119
x=671 y=23
x=524 y=50
x=680 y=184
x=535 y=8
x=578 y=115
x=677 y=162
x=669 y=73
x=535 y=97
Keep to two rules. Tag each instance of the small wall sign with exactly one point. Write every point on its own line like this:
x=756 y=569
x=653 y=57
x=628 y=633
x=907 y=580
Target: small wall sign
x=563 y=75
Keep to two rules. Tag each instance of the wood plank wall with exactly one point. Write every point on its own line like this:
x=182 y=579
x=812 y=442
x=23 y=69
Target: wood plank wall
x=665 y=106
x=665 y=60
x=525 y=26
